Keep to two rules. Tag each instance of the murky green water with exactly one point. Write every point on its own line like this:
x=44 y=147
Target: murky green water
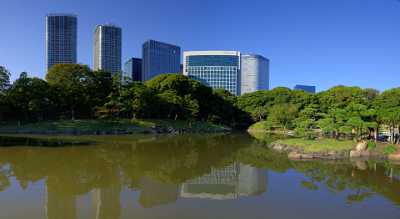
x=192 y=176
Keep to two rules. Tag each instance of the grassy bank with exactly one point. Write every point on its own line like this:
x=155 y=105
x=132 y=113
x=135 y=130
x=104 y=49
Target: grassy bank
x=319 y=145
x=111 y=127
x=259 y=127
x=263 y=127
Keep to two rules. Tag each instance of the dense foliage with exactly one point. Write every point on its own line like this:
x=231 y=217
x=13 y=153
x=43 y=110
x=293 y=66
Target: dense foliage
x=341 y=111
x=73 y=91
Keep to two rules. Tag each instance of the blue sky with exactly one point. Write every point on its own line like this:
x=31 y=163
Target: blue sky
x=317 y=42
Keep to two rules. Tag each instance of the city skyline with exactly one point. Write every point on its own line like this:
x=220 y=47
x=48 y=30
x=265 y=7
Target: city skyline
x=350 y=50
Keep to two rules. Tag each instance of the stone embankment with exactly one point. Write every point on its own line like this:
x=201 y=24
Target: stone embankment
x=361 y=151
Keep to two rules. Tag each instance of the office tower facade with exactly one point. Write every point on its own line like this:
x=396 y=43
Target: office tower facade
x=61 y=39
x=306 y=88
x=159 y=58
x=133 y=69
x=216 y=69
x=107 y=48
x=255 y=73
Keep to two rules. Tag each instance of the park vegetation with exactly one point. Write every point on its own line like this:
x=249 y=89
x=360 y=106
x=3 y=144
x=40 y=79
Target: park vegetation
x=73 y=91
x=340 y=112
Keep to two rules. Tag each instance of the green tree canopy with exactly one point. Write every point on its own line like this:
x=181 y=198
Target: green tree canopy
x=30 y=97
x=4 y=78
x=79 y=90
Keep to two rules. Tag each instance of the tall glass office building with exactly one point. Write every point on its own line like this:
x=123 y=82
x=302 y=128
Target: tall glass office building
x=107 y=48
x=159 y=58
x=133 y=69
x=255 y=73
x=216 y=69
x=61 y=39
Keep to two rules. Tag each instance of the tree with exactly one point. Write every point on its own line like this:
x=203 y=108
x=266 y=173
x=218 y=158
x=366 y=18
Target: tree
x=4 y=85
x=223 y=107
x=387 y=106
x=100 y=87
x=342 y=96
x=4 y=106
x=190 y=107
x=260 y=113
x=171 y=104
x=143 y=100
x=4 y=79
x=257 y=103
x=360 y=119
x=283 y=115
x=182 y=86
x=72 y=83
x=306 y=122
x=118 y=102
x=333 y=122
x=29 y=98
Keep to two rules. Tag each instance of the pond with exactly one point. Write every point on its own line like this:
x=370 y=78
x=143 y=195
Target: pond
x=189 y=176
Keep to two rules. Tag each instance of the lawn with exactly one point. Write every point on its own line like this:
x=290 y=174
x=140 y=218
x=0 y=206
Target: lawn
x=107 y=126
x=319 y=145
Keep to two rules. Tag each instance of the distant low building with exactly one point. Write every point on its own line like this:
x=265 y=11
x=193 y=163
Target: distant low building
x=306 y=88
x=133 y=69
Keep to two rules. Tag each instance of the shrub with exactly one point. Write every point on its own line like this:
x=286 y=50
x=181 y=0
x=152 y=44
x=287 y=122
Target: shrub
x=371 y=145
x=390 y=149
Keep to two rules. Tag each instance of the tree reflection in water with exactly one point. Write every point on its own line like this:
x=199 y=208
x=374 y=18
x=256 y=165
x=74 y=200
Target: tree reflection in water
x=165 y=169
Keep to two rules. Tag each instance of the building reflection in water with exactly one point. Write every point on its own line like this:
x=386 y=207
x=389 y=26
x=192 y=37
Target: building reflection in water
x=59 y=205
x=155 y=193
x=106 y=203
x=231 y=182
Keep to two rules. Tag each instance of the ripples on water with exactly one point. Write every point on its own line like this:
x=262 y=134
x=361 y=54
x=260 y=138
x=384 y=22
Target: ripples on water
x=191 y=176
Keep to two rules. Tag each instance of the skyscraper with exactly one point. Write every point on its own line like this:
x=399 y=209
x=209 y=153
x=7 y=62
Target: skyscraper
x=133 y=69
x=216 y=69
x=107 y=48
x=255 y=73
x=159 y=58
x=61 y=39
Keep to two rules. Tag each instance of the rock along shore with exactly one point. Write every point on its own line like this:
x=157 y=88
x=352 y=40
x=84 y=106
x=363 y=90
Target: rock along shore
x=359 y=152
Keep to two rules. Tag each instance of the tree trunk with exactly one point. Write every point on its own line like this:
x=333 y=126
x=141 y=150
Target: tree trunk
x=392 y=134
x=72 y=113
x=398 y=134
x=376 y=133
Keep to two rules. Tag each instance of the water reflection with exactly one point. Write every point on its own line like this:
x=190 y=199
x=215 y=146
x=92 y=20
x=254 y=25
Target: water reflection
x=229 y=182
x=162 y=171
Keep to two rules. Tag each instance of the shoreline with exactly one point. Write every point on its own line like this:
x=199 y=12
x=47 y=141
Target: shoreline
x=323 y=148
x=297 y=153
x=112 y=127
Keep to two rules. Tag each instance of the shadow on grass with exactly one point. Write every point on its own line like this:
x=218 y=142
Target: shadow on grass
x=13 y=141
